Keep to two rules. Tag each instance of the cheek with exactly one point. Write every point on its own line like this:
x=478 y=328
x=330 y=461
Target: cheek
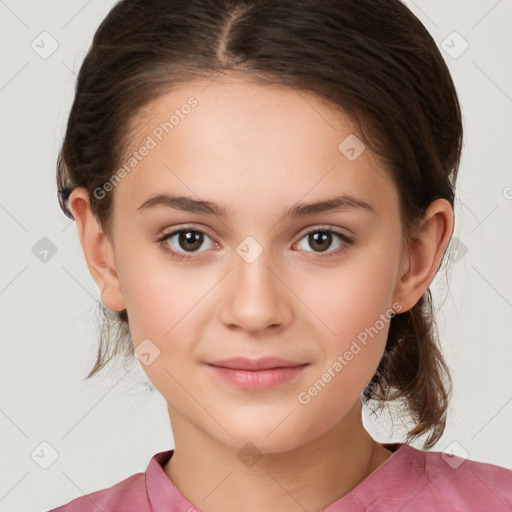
x=352 y=308
x=160 y=294
x=350 y=357
x=168 y=306
x=350 y=297
x=165 y=300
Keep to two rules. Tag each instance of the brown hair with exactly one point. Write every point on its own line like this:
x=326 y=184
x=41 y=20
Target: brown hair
x=371 y=58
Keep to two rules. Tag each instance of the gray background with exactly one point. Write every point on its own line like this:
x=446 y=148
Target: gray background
x=107 y=429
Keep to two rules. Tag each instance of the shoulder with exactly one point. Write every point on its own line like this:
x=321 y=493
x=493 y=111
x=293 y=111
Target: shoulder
x=463 y=483
x=112 y=499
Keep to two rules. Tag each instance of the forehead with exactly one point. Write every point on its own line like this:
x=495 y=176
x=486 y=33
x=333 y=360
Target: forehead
x=240 y=139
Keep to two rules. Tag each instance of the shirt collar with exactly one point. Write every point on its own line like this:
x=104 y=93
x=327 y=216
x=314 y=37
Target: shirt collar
x=162 y=493
x=384 y=481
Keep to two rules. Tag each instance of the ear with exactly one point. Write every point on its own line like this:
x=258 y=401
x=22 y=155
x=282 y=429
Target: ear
x=422 y=257
x=98 y=250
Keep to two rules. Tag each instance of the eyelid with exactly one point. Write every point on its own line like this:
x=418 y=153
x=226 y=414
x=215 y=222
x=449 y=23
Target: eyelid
x=347 y=242
x=300 y=234
x=324 y=227
x=184 y=227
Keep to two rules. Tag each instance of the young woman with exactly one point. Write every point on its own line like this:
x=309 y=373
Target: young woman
x=264 y=192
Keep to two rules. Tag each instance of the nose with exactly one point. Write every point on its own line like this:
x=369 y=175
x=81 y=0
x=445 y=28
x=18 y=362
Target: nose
x=254 y=298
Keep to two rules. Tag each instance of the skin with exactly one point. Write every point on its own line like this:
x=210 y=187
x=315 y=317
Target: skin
x=258 y=151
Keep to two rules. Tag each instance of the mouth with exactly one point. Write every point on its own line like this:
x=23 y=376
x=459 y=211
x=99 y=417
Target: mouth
x=256 y=374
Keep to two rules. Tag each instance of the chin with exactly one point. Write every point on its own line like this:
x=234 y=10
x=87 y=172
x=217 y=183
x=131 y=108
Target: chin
x=270 y=436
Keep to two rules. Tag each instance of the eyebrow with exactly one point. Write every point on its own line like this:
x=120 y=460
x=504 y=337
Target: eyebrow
x=189 y=204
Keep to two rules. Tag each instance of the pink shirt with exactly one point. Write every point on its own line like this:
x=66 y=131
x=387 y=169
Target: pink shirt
x=409 y=480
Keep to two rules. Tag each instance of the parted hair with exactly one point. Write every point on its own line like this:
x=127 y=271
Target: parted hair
x=371 y=58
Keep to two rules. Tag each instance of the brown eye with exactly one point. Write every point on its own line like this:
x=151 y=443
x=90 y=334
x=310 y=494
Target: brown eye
x=190 y=240
x=183 y=241
x=322 y=241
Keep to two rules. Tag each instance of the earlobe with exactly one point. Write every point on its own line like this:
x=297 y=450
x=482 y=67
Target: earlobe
x=98 y=250
x=423 y=256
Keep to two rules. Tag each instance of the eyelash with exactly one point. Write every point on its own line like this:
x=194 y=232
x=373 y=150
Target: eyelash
x=347 y=241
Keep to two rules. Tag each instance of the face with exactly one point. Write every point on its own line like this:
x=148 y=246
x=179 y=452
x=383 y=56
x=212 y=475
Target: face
x=258 y=275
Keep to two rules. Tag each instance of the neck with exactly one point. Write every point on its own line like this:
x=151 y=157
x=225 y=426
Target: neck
x=311 y=476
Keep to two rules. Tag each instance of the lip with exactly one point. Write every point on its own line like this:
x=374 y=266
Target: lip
x=261 y=363
x=256 y=374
